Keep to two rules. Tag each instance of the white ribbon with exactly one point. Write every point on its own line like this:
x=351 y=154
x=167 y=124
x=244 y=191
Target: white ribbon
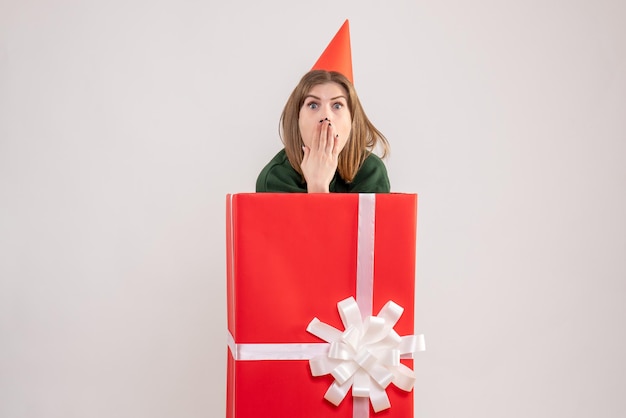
x=279 y=351
x=366 y=355
x=366 y=238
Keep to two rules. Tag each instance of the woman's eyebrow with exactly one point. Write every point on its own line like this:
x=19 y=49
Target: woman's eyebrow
x=317 y=98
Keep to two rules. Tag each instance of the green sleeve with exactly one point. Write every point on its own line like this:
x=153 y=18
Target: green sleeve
x=372 y=177
x=279 y=176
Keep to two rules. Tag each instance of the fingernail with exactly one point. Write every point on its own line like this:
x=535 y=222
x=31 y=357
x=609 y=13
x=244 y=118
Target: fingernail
x=321 y=120
x=337 y=136
x=326 y=119
x=329 y=124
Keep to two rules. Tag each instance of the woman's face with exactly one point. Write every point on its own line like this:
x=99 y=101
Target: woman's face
x=325 y=101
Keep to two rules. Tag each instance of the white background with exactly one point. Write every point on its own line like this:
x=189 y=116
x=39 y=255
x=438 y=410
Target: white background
x=123 y=125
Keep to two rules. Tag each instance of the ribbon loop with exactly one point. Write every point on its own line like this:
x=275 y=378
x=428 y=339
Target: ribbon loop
x=349 y=313
x=391 y=312
x=336 y=392
x=322 y=365
x=322 y=330
x=379 y=399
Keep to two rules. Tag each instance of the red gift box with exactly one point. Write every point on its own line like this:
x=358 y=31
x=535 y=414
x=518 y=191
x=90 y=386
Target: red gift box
x=292 y=258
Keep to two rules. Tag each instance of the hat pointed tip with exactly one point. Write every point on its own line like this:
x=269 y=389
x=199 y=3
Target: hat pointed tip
x=338 y=54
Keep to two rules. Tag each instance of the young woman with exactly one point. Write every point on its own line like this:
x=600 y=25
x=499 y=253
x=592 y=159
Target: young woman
x=329 y=141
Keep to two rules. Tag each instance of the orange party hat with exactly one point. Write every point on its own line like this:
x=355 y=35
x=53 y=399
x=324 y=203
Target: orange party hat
x=338 y=55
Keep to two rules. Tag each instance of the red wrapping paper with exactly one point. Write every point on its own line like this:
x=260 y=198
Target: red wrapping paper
x=290 y=258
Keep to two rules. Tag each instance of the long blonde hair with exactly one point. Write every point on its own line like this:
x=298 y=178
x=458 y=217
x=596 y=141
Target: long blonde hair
x=364 y=136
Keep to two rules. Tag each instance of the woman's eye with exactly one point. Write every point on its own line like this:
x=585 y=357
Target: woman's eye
x=338 y=106
x=312 y=105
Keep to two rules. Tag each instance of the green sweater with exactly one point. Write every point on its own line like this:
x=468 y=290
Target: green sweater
x=279 y=176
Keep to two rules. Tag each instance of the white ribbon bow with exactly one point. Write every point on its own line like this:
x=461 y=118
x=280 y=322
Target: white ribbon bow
x=366 y=355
